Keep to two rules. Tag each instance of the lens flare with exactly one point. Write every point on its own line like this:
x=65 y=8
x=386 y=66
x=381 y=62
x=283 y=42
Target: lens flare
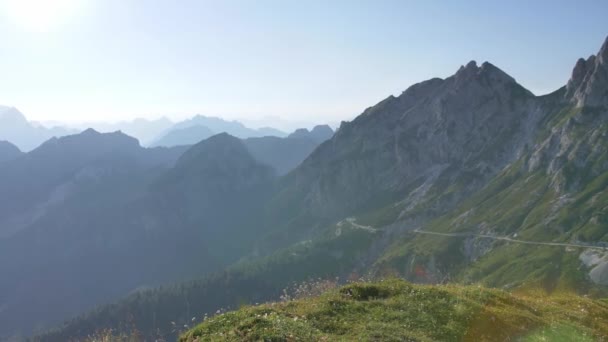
x=39 y=15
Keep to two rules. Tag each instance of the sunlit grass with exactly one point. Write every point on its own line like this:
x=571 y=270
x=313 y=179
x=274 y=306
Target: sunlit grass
x=395 y=310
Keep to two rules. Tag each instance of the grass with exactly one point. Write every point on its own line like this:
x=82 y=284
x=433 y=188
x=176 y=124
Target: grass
x=395 y=310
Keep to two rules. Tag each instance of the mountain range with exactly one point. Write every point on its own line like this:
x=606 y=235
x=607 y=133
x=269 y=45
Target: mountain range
x=144 y=130
x=200 y=127
x=26 y=135
x=470 y=179
x=99 y=203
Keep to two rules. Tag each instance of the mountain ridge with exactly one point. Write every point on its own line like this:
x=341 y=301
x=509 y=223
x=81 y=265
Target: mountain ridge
x=14 y=127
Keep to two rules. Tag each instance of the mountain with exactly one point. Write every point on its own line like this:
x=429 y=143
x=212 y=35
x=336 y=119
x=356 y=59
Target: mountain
x=218 y=125
x=8 y=151
x=470 y=179
x=454 y=133
x=15 y=128
x=319 y=133
x=49 y=173
x=99 y=209
x=143 y=129
x=184 y=136
x=71 y=191
x=285 y=154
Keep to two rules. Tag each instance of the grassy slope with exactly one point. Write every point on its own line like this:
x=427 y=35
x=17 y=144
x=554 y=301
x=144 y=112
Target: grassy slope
x=514 y=202
x=394 y=310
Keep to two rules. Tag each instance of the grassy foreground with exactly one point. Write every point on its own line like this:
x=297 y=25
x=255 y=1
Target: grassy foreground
x=395 y=310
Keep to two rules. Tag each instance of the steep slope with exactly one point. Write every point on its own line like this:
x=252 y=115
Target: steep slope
x=15 y=128
x=398 y=311
x=555 y=193
x=184 y=136
x=8 y=151
x=587 y=86
x=459 y=131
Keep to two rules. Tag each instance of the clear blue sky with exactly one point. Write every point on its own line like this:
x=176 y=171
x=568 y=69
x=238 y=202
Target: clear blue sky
x=317 y=60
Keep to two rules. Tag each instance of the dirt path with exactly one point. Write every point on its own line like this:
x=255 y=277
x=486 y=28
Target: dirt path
x=505 y=238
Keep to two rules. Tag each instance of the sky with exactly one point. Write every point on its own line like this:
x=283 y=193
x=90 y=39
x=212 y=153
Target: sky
x=321 y=61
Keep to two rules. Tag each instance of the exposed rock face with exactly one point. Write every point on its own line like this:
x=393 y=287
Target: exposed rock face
x=475 y=121
x=588 y=85
x=597 y=263
x=578 y=130
x=444 y=139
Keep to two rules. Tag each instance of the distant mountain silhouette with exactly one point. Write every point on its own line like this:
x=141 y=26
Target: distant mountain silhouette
x=285 y=154
x=215 y=125
x=94 y=208
x=144 y=130
x=15 y=128
x=318 y=134
x=184 y=136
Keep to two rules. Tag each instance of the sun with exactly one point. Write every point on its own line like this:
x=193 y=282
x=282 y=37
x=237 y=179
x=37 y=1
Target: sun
x=39 y=15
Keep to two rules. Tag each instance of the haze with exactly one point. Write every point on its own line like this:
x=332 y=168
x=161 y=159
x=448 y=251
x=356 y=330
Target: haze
x=79 y=60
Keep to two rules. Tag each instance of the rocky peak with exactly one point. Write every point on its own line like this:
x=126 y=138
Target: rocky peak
x=588 y=85
x=487 y=71
x=467 y=70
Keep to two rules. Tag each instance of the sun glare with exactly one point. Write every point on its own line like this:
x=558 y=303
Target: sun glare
x=39 y=15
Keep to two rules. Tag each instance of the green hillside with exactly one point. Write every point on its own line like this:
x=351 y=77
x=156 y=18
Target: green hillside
x=395 y=310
